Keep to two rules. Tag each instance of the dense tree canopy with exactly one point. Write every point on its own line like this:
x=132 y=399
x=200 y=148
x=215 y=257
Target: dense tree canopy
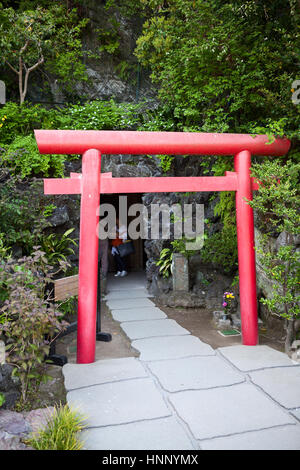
x=36 y=35
x=225 y=65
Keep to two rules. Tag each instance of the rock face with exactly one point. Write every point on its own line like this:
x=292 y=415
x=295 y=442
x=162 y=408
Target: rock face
x=112 y=75
x=15 y=427
x=8 y=386
x=264 y=284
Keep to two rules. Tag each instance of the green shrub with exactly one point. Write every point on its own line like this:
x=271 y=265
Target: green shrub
x=16 y=120
x=57 y=247
x=277 y=206
x=23 y=157
x=30 y=321
x=61 y=432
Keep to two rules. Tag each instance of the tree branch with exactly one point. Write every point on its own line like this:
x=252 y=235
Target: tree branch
x=12 y=68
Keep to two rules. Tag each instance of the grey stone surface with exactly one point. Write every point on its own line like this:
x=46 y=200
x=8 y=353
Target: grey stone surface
x=118 y=304
x=139 y=313
x=194 y=373
x=155 y=434
x=131 y=282
x=248 y=358
x=127 y=294
x=172 y=347
x=103 y=371
x=296 y=413
x=280 y=438
x=180 y=271
x=282 y=384
x=2 y=352
x=150 y=328
x=13 y=423
x=119 y=402
x=181 y=393
x=228 y=410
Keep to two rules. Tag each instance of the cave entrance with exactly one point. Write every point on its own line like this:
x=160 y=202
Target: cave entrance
x=136 y=262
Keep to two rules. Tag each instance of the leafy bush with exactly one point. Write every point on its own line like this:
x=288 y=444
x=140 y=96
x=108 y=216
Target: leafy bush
x=166 y=255
x=22 y=207
x=16 y=120
x=31 y=322
x=99 y=115
x=57 y=247
x=22 y=157
x=277 y=205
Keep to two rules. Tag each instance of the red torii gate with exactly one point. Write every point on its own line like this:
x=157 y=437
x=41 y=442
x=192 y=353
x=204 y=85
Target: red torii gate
x=91 y=144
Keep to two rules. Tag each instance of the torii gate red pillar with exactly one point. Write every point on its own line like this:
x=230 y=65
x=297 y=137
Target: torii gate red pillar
x=246 y=243
x=91 y=183
x=88 y=256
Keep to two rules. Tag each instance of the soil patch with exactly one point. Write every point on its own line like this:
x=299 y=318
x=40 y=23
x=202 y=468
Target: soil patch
x=201 y=324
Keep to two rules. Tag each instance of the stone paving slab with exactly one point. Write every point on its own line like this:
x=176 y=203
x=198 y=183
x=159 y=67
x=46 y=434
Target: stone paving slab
x=247 y=358
x=296 y=413
x=228 y=410
x=117 y=304
x=280 y=438
x=103 y=371
x=139 y=313
x=119 y=402
x=127 y=294
x=282 y=384
x=194 y=373
x=130 y=282
x=172 y=347
x=156 y=434
x=150 y=328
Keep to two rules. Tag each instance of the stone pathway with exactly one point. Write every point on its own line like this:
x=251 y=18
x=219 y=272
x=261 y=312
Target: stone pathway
x=180 y=394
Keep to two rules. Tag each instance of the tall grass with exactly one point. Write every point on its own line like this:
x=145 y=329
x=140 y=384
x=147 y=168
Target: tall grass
x=61 y=432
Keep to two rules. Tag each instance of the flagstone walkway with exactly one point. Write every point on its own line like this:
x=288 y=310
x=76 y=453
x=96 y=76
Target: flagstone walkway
x=180 y=393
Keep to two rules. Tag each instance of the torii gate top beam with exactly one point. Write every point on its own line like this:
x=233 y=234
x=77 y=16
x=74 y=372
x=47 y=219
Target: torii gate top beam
x=169 y=143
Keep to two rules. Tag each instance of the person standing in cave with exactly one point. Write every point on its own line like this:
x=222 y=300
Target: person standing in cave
x=121 y=237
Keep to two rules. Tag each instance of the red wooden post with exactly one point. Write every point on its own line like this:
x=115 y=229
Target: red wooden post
x=246 y=252
x=88 y=257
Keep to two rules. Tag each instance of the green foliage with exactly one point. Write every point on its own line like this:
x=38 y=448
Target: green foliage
x=277 y=205
x=22 y=157
x=98 y=115
x=29 y=317
x=224 y=66
x=221 y=249
x=21 y=213
x=57 y=247
x=277 y=200
x=68 y=306
x=18 y=120
x=48 y=34
x=165 y=262
x=2 y=399
x=166 y=255
x=283 y=267
x=61 y=432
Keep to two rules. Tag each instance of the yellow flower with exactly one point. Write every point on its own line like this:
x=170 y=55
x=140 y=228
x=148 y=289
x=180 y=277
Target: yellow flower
x=1 y=125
